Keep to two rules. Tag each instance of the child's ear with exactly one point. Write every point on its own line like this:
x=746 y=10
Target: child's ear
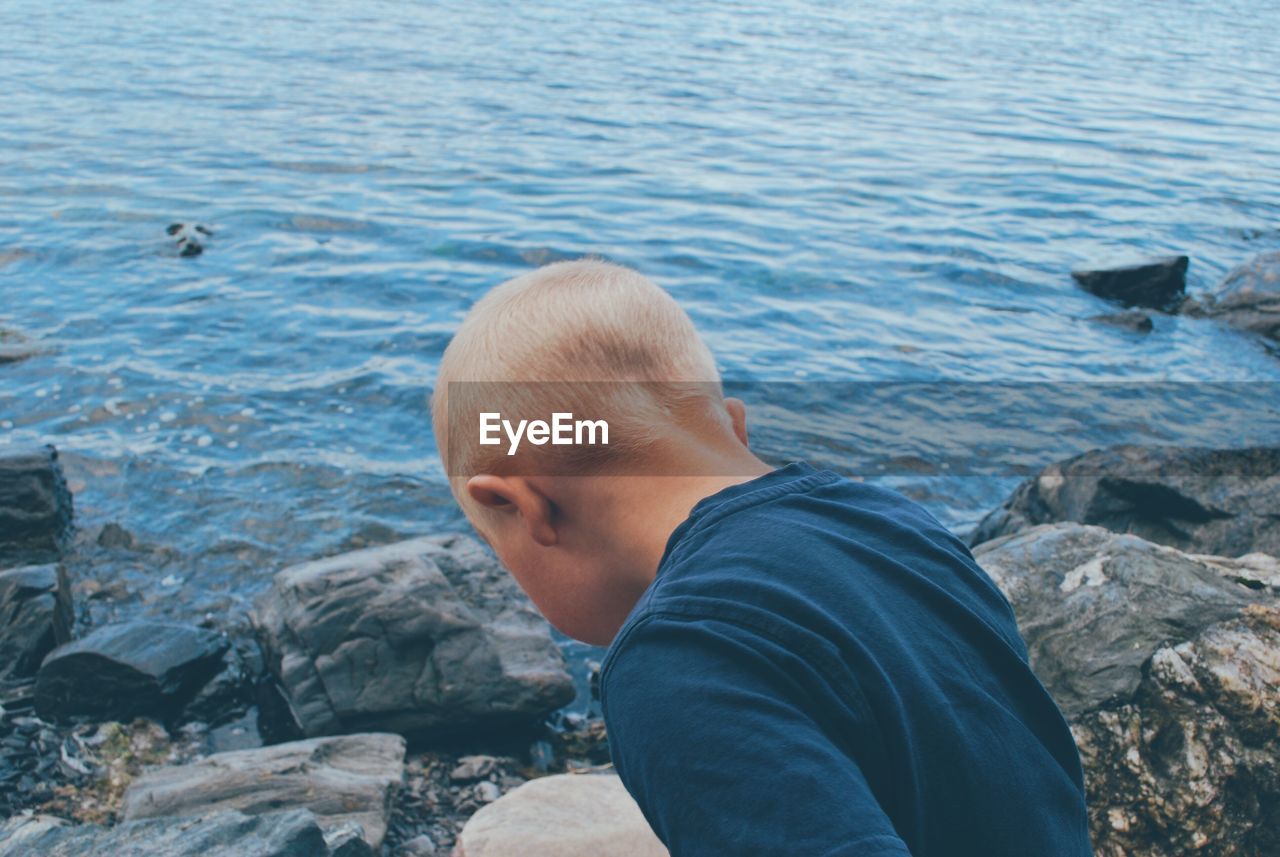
x=516 y=495
x=738 y=415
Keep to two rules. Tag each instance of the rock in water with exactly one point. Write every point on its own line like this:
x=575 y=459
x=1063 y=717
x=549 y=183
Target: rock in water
x=35 y=506
x=424 y=637
x=350 y=779
x=227 y=834
x=566 y=815
x=1093 y=605
x=1211 y=501
x=126 y=670
x=35 y=616
x=1169 y=672
x=1134 y=320
x=1247 y=298
x=1159 y=284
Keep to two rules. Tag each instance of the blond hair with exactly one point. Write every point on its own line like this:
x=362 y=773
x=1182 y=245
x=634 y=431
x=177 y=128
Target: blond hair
x=588 y=335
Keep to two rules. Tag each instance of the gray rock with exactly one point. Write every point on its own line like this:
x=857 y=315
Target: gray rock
x=424 y=637
x=1247 y=298
x=347 y=841
x=345 y=780
x=1159 y=284
x=35 y=506
x=1211 y=501
x=227 y=834
x=471 y=768
x=421 y=845
x=125 y=670
x=1093 y=605
x=35 y=616
x=1189 y=765
x=1169 y=672
x=1134 y=320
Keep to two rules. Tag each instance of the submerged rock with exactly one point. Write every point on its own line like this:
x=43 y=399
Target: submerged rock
x=35 y=616
x=1247 y=298
x=346 y=780
x=1168 y=669
x=35 y=506
x=126 y=670
x=1159 y=284
x=1133 y=320
x=1093 y=605
x=566 y=815
x=424 y=637
x=227 y=834
x=1211 y=501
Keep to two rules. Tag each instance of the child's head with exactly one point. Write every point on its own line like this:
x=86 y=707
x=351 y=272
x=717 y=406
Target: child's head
x=607 y=344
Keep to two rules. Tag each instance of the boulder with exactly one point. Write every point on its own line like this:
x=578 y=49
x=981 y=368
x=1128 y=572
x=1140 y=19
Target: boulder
x=127 y=670
x=1247 y=298
x=35 y=616
x=227 y=834
x=566 y=815
x=424 y=637
x=1210 y=501
x=1189 y=765
x=35 y=506
x=1159 y=284
x=343 y=781
x=1167 y=666
x=14 y=347
x=1093 y=605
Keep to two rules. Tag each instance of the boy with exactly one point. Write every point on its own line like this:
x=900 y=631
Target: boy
x=798 y=663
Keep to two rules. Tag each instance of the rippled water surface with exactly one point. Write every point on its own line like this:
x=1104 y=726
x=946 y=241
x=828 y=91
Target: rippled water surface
x=868 y=192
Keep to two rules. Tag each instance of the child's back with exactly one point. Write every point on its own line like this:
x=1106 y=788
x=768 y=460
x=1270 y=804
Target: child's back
x=820 y=668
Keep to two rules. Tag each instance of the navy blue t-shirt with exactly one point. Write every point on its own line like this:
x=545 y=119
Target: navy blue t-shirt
x=820 y=669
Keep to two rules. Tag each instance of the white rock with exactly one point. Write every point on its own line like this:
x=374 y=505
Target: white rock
x=567 y=815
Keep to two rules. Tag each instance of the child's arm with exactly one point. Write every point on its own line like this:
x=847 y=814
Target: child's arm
x=709 y=732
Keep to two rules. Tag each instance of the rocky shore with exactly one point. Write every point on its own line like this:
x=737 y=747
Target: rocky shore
x=407 y=700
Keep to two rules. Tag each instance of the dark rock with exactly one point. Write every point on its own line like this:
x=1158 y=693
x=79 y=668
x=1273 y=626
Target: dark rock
x=126 y=670
x=425 y=637
x=345 y=780
x=112 y=535
x=1133 y=320
x=348 y=841
x=35 y=616
x=226 y=696
x=35 y=506
x=1159 y=284
x=1093 y=605
x=1247 y=298
x=227 y=834
x=1212 y=501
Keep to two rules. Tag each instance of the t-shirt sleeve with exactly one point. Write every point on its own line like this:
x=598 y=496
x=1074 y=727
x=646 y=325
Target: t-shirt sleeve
x=711 y=734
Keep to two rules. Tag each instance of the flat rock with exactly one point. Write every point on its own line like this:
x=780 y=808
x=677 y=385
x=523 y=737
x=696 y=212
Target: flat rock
x=1188 y=764
x=1247 y=298
x=1094 y=605
x=35 y=616
x=566 y=815
x=1159 y=284
x=35 y=506
x=344 y=780
x=1211 y=501
x=424 y=637
x=227 y=834
x=126 y=670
